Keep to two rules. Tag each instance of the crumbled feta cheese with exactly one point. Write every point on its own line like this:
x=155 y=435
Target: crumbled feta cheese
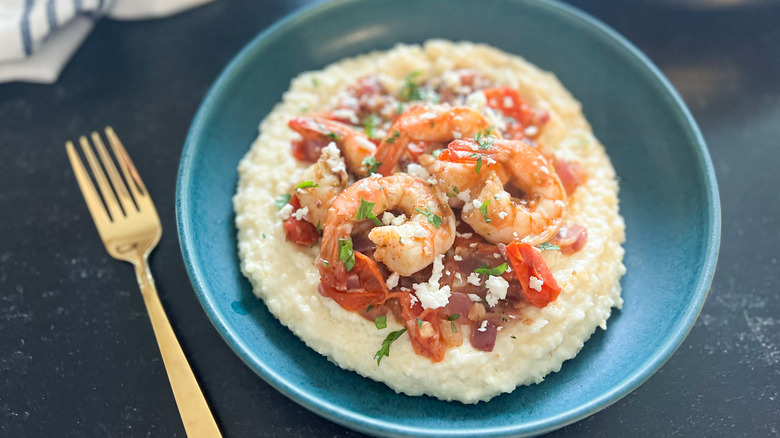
x=483 y=326
x=456 y=135
x=535 y=283
x=387 y=218
x=416 y=170
x=430 y=294
x=502 y=214
x=392 y=280
x=300 y=213
x=464 y=196
x=363 y=186
x=497 y=288
x=545 y=170
x=473 y=245
x=563 y=232
x=346 y=114
x=476 y=203
x=419 y=231
x=508 y=102
x=531 y=131
x=496 y=255
x=428 y=115
x=560 y=203
x=473 y=279
x=448 y=273
x=332 y=156
x=457 y=258
x=412 y=300
x=474 y=297
x=457 y=275
x=399 y=220
x=464 y=235
x=285 y=212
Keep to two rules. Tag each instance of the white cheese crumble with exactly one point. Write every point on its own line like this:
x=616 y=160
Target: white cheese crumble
x=285 y=212
x=508 y=102
x=502 y=214
x=430 y=294
x=474 y=297
x=464 y=196
x=535 y=283
x=416 y=170
x=473 y=279
x=560 y=203
x=412 y=299
x=476 y=203
x=387 y=218
x=497 y=288
x=456 y=135
x=300 y=213
x=544 y=170
x=392 y=280
x=346 y=114
x=366 y=144
x=464 y=235
x=483 y=327
x=363 y=186
x=531 y=131
x=457 y=258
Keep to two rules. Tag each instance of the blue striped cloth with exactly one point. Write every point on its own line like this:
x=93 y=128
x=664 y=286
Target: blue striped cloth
x=25 y=24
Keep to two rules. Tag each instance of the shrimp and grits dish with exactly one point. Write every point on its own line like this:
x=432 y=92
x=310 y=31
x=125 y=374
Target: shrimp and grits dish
x=439 y=218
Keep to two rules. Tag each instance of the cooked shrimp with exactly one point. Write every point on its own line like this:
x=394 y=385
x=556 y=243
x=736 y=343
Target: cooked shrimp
x=320 y=184
x=405 y=248
x=354 y=144
x=493 y=212
x=426 y=123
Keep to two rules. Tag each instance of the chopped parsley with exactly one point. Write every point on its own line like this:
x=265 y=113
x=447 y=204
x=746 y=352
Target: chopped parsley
x=282 y=200
x=371 y=164
x=370 y=306
x=326 y=263
x=453 y=317
x=332 y=135
x=385 y=350
x=419 y=323
x=380 y=322
x=483 y=140
x=483 y=210
x=306 y=185
x=513 y=337
x=432 y=218
x=548 y=246
x=487 y=270
x=370 y=124
x=315 y=82
x=452 y=326
x=346 y=255
x=364 y=212
x=437 y=152
x=455 y=192
x=479 y=164
x=400 y=109
x=392 y=139
x=411 y=90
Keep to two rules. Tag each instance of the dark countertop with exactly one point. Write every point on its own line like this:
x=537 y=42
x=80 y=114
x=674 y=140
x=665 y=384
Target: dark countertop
x=77 y=353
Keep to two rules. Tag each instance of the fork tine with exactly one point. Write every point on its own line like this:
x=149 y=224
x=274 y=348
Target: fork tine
x=105 y=188
x=96 y=209
x=132 y=177
x=119 y=186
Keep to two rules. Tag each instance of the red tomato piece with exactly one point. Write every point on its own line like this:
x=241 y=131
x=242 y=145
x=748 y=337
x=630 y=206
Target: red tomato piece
x=527 y=262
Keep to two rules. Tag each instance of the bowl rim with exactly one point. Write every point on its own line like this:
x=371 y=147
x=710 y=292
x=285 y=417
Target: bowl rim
x=363 y=423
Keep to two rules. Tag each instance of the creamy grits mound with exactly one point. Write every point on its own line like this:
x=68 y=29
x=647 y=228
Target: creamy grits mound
x=285 y=277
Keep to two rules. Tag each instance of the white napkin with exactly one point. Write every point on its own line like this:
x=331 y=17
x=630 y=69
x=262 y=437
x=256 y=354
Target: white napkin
x=38 y=37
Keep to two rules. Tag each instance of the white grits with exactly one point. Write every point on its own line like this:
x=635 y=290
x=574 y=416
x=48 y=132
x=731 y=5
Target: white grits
x=284 y=276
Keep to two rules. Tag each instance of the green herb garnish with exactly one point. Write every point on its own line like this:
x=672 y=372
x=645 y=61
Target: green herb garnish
x=346 y=255
x=380 y=322
x=513 y=337
x=282 y=200
x=419 y=323
x=385 y=350
x=452 y=326
x=370 y=124
x=371 y=164
x=392 y=139
x=547 y=246
x=432 y=218
x=437 y=152
x=479 y=164
x=411 y=91
x=483 y=210
x=487 y=270
x=370 y=306
x=453 y=317
x=315 y=82
x=306 y=185
x=483 y=140
x=364 y=212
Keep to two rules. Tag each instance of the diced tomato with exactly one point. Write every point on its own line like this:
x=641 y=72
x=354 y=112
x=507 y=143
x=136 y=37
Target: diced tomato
x=308 y=149
x=298 y=230
x=368 y=286
x=527 y=262
x=508 y=101
x=432 y=347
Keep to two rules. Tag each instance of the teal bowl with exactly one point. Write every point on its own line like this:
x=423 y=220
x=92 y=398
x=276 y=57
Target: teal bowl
x=668 y=197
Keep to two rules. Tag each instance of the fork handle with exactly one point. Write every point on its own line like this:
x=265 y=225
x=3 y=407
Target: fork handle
x=195 y=414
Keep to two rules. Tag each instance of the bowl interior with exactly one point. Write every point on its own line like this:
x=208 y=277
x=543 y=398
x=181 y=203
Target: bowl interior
x=668 y=199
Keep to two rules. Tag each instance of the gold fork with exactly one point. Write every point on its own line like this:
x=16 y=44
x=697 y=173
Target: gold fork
x=130 y=229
